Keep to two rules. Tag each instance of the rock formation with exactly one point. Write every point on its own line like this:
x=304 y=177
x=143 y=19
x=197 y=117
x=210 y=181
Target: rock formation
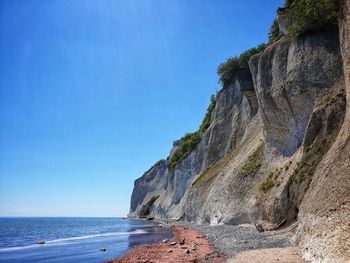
x=277 y=149
x=324 y=228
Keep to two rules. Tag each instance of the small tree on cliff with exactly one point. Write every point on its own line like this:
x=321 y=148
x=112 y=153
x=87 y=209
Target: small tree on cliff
x=311 y=16
x=232 y=65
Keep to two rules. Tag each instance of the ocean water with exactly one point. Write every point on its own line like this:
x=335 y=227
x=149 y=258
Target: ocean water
x=73 y=239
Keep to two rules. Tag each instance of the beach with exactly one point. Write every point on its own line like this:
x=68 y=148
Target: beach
x=189 y=245
x=224 y=243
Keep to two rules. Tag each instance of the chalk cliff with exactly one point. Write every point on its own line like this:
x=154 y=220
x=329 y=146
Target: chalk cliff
x=277 y=149
x=324 y=218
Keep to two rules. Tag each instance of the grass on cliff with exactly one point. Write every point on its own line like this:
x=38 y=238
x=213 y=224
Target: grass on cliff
x=252 y=164
x=267 y=184
x=213 y=170
x=146 y=208
x=272 y=180
x=249 y=93
x=190 y=140
x=307 y=166
x=333 y=106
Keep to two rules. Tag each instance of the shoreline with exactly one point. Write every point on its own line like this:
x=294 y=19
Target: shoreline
x=217 y=244
x=188 y=245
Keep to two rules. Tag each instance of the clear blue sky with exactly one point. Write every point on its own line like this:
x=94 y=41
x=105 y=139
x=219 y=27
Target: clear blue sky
x=92 y=93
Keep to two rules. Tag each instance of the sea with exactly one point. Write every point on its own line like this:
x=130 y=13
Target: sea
x=73 y=239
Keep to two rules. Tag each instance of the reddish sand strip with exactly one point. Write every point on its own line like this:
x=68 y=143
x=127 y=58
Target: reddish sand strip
x=191 y=246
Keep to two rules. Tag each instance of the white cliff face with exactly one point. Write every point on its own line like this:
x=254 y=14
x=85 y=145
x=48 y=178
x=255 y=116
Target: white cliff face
x=151 y=184
x=272 y=148
x=324 y=218
x=231 y=115
x=291 y=110
x=277 y=155
x=288 y=77
x=225 y=132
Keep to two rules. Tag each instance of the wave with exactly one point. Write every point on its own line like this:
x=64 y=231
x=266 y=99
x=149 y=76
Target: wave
x=63 y=240
x=136 y=232
x=7 y=249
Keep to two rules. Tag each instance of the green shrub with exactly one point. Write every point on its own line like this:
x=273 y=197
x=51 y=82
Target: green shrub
x=311 y=16
x=232 y=65
x=187 y=144
x=271 y=180
x=267 y=184
x=304 y=169
x=274 y=32
x=243 y=59
x=227 y=70
x=252 y=163
x=288 y=3
x=206 y=121
x=190 y=140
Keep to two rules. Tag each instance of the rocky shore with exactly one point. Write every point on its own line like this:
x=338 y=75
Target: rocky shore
x=232 y=240
x=224 y=243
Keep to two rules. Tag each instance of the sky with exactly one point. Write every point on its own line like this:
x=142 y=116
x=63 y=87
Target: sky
x=92 y=93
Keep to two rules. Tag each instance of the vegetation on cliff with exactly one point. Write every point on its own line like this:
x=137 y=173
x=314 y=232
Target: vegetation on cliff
x=274 y=32
x=206 y=121
x=306 y=16
x=187 y=144
x=267 y=184
x=252 y=164
x=311 y=16
x=226 y=72
x=228 y=69
x=190 y=140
